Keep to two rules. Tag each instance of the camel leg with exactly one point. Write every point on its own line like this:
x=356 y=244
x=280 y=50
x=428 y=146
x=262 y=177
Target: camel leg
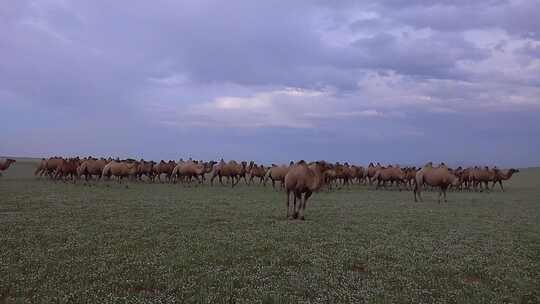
x=417 y=191
x=500 y=183
x=444 y=193
x=297 y=203
x=287 y=204
x=304 y=204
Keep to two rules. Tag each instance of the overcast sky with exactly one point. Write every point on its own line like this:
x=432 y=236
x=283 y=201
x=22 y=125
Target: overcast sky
x=399 y=81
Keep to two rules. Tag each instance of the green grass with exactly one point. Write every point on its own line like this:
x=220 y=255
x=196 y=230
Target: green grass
x=140 y=243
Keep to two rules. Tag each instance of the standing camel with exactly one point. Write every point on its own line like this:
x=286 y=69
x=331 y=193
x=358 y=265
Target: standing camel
x=303 y=179
x=502 y=175
x=435 y=177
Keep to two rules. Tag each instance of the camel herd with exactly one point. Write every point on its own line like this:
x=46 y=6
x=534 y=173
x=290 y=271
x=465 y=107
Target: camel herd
x=299 y=180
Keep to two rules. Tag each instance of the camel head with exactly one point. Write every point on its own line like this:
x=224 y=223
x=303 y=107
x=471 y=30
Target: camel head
x=429 y=165
x=323 y=166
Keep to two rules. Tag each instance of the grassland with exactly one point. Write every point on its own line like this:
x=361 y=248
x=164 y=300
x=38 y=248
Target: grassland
x=140 y=243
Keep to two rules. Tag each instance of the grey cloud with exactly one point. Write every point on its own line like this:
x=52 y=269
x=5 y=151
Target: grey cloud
x=519 y=18
x=434 y=57
x=70 y=67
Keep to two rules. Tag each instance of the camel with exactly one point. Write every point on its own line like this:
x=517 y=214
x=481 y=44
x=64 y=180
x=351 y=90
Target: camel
x=164 y=168
x=4 y=165
x=330 y=177
x=410 y=175
x=48 y=166
x=343 y=174
x=91 y=167
x=372 y=169
x=276 y=173
x=357 y=172
x=67 y=169
x=435 y=177
x=466 y=178
x=304 y=179
x=256 y=172
x=390 y=174
x=145 y=168
x=243 y=170
x=501 y=175
x=208 y=167
x=120 y=169
x=230 y=170
x=482 y=176
x=187 y=170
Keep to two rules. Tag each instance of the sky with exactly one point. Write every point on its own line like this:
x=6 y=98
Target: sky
x=392 y=81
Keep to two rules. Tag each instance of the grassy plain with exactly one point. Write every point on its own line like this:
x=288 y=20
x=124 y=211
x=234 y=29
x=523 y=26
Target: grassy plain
x=140 y=243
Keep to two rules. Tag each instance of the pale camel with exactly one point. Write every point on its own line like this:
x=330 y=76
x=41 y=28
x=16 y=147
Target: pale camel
x=302 y=180
x=435 y=177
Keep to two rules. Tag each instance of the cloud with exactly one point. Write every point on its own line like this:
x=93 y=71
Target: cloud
x=333 y=71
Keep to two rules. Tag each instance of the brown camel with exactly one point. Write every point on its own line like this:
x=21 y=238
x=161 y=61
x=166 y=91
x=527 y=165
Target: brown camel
x=256 y=171
x=372 y=169
x=344 y=174
x=4 y=164
x=121 y=169
x=91 y=167
x=164 y=168
x=501 y=175
x=466 y=178
x=67 y=169
x=410 y=175
x=482 y=177
x=357 y=173
x=146 y=168
x=390 y=174
x=435 y=177
x=330 y=177
x=232 y=170
x=303 y=179
x=185 y=171
x=48 y=166
x=276 y=173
